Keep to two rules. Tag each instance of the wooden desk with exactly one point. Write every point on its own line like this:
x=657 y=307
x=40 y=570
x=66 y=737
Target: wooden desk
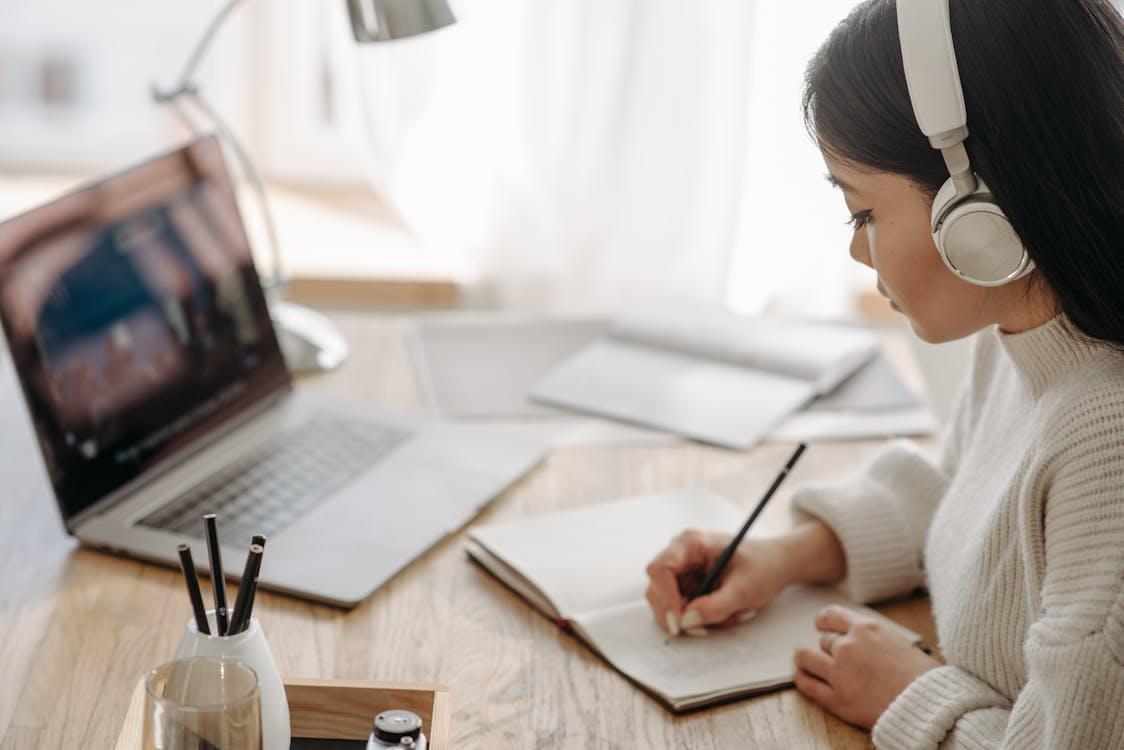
x=78 y=628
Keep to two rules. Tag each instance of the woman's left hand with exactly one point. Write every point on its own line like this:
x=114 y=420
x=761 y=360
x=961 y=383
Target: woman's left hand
x=860 y=666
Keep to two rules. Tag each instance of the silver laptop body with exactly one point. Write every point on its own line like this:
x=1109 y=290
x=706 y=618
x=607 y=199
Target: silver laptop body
x=155 y=386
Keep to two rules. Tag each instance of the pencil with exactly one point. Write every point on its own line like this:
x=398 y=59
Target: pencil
x=250 y=604
x=188 y=568
x=723 y=560
x=218 y=583
x=258 y=539
x=240 y=616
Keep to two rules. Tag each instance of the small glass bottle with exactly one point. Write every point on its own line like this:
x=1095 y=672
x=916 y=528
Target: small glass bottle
x=397 y=728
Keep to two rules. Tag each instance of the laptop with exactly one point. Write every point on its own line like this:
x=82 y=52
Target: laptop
x=156 y=387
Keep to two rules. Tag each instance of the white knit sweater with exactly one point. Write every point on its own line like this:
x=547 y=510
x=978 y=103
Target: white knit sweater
x=1018 y=533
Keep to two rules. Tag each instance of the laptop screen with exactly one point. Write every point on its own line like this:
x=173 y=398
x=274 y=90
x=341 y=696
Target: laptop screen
x=135 y=319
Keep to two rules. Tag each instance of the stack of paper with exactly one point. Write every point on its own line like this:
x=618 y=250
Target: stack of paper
x=484 y=366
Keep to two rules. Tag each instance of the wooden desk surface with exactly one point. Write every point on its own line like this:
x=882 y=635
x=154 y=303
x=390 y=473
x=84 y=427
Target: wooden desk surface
x=78 y=627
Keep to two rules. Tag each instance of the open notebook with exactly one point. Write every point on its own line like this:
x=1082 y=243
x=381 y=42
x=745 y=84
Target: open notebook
x=586 y=568
x=706 y=373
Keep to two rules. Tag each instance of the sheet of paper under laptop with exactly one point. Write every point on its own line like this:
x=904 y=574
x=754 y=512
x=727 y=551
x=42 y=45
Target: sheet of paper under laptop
x=586 y=567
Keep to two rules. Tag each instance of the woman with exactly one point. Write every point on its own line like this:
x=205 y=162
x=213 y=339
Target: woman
x=1018 y=529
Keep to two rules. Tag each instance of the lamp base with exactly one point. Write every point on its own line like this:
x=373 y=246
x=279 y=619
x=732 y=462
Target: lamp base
x=310 y=342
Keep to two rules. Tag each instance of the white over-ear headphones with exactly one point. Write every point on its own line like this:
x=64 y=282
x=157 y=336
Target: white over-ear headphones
x=974 y=237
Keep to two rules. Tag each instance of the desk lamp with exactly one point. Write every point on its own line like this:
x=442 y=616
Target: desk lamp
x=310 y=341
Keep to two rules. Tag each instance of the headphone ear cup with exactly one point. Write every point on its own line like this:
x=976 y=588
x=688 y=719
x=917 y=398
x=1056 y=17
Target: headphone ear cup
x=976 y=240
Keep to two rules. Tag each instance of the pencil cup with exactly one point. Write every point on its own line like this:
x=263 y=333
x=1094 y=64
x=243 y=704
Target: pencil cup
x=249 y=647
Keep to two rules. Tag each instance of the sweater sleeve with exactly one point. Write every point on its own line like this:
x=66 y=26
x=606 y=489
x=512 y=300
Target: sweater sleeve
x=1074 y=649
x=881 y=515
x=1072 y=699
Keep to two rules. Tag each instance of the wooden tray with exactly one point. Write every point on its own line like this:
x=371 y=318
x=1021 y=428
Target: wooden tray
x=334 y=709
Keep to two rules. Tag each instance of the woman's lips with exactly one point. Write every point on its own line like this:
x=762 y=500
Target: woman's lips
x=882 y=291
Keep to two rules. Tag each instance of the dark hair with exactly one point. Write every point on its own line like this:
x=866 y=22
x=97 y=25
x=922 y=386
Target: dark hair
x=1044 y=90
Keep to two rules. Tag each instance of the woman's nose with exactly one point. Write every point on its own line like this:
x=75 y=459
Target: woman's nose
x=860 y=249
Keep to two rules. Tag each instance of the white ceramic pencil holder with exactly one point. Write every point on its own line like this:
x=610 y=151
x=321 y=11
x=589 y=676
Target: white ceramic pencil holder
x=249 y=647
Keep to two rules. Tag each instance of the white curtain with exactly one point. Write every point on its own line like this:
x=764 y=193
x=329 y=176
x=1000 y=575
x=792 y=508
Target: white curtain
x=791 y=245
x=600 y=154
x=586 y=154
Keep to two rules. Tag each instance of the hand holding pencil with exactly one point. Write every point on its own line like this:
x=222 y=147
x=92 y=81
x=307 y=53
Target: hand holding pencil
x=706 y=578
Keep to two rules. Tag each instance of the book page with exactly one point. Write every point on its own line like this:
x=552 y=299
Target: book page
x=795 y=348
x=712 y=401
x=757 y=654
x=594 y=558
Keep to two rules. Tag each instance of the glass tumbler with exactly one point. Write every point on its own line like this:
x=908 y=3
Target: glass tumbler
x=202 y=703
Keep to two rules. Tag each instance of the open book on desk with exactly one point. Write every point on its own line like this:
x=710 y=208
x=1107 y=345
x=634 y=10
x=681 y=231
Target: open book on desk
x=586 y=568
x=705 y=373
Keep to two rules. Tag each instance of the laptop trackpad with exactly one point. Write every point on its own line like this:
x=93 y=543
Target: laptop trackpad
x=388 y=517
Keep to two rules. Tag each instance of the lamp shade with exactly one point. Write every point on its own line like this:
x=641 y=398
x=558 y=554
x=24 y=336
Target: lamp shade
x=385 y=20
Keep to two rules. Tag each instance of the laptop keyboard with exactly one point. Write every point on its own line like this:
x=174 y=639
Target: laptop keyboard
x=293 y=472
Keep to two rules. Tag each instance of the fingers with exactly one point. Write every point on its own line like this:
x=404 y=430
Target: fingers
x=836 y=619
x=827 y=641
x=688 y=551
x=666 y=613
x=814 y=662
x=813 y=687
x=663 y=589
x=716 y=607
x=665 y=595
x=739 y=618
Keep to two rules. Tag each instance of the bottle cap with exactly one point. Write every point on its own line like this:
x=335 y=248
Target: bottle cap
x=392 y=726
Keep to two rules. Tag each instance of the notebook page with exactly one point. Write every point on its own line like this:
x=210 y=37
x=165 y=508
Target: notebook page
x=594 y=558
x=809 y=351
x=757 y=654
x=704 y=399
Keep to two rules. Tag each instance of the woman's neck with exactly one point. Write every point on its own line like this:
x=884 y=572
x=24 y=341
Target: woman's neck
x=1031 y=306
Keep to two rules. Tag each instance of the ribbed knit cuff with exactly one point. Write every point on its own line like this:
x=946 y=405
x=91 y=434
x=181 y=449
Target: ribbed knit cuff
x=929 y=707
x=880 y=517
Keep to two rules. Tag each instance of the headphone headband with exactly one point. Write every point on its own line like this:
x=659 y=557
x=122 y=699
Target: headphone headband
x=931 y=72
x=933 y=80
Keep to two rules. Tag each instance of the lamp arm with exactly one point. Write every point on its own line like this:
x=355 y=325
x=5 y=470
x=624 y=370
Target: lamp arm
x=186 y=83
x=277 y=278
x=187 y=87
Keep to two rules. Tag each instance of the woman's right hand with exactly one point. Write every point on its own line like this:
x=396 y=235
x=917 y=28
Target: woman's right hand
x=755 y=574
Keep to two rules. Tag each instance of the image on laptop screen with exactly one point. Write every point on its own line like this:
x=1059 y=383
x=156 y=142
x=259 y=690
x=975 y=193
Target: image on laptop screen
x=135 y=319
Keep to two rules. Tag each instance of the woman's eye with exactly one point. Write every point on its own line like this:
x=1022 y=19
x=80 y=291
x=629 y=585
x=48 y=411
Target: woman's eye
x=859 y=220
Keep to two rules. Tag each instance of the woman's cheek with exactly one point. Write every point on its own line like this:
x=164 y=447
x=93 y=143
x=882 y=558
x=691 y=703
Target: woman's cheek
x=894 y=266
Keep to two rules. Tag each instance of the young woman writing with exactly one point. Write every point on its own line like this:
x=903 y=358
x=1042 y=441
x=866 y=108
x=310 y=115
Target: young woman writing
x=1017 y=530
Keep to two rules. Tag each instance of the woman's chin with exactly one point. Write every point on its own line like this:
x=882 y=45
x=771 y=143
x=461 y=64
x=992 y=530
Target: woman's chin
x=922 y=332
x=929 y=335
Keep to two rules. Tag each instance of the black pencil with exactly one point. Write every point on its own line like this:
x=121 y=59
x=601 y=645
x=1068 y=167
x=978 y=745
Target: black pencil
x=250 y=604
x=240 y=617
x=188 y=568
x=218 y=583
x=720 y=564
x=258 y=539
